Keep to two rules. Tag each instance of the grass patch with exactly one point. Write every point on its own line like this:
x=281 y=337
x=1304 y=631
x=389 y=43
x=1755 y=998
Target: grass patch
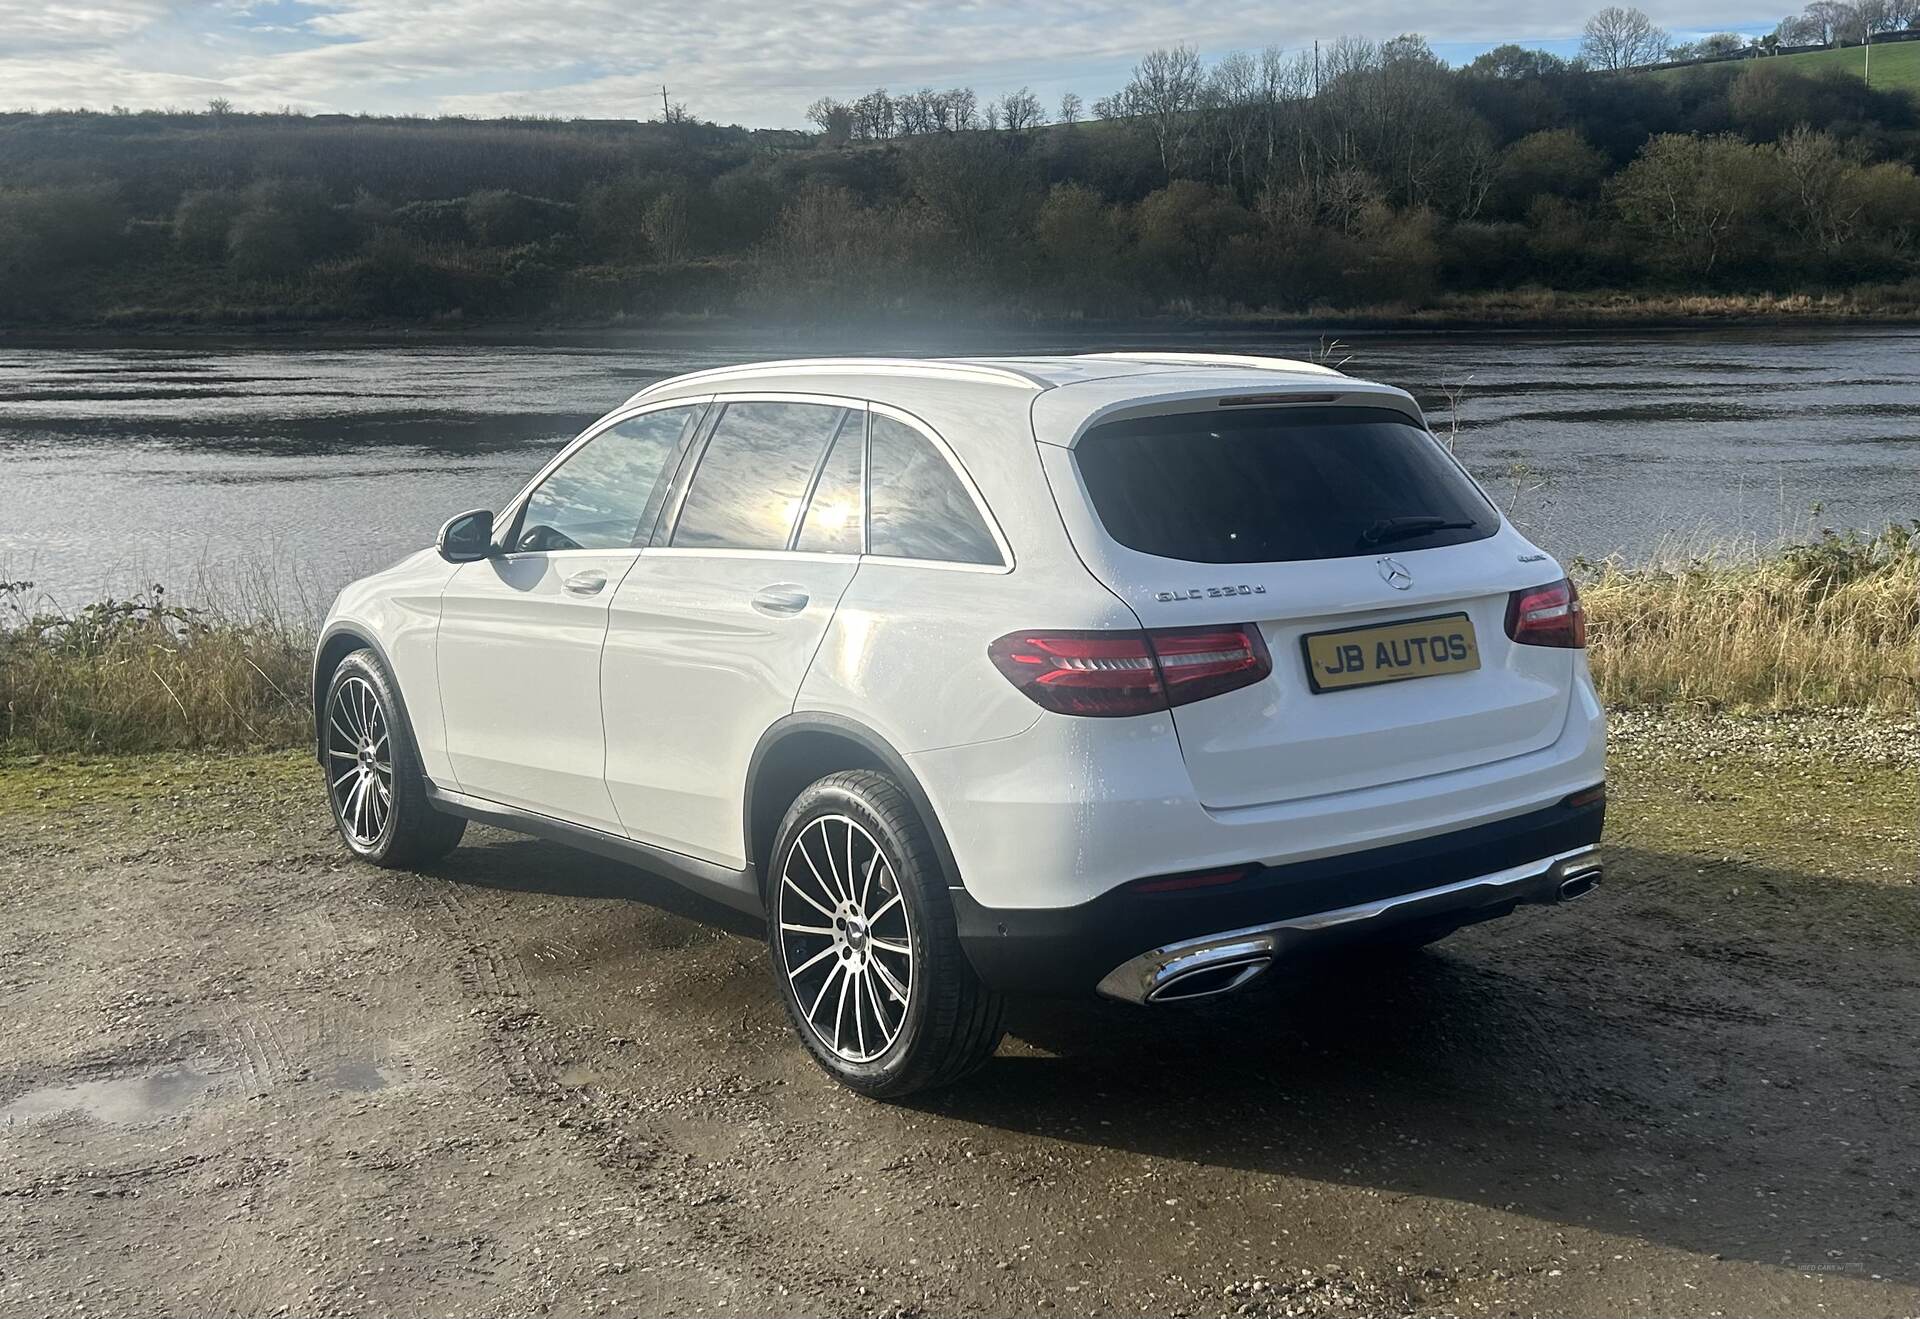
x=1896 y=64
x=147 y=675
x=1830 y=625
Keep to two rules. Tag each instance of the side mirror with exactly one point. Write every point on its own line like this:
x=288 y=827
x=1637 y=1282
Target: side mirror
x=468 y=537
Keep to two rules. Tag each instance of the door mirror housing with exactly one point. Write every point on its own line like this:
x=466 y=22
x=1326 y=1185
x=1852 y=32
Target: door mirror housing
x=468 y=537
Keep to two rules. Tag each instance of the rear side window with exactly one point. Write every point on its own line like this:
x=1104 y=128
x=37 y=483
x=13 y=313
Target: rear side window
x=600 y=497
x=1275 y=485
x=754 y=474
x=917 y=506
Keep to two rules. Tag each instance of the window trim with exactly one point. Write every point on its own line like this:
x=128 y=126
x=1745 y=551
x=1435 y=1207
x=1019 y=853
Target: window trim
x=507 y=524
x=945 y=450
x=820 y=470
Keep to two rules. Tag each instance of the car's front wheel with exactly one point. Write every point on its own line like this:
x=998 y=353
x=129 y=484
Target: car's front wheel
x=863 y=942
x=374 y=782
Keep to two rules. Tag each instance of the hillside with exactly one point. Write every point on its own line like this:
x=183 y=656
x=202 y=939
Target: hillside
x=1400 y=186
x=1896 y=64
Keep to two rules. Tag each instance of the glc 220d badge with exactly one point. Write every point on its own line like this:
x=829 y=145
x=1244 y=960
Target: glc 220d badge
x=1209 y=592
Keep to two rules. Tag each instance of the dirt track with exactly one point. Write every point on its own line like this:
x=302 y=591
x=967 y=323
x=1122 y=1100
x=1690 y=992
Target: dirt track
x=240 y=1076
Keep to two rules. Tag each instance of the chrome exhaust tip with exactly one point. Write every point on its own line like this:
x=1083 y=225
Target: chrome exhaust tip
x=1574 y=886
x=1208 y=981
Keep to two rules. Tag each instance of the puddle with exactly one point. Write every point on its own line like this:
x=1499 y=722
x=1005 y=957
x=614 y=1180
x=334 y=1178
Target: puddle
x=122 y=1100
x=358 y=1077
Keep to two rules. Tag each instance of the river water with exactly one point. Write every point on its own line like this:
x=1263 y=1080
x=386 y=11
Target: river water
x=192 y=461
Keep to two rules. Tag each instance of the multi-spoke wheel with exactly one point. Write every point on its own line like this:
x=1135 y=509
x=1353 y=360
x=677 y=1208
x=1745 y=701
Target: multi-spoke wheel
x=359 y=761
x=863 y=941
x=846 y=938
x=373 y=774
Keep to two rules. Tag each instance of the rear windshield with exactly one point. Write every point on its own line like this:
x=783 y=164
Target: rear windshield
x=1276 y=484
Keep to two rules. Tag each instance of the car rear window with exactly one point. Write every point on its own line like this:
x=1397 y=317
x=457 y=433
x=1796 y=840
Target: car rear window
x=1269 y=485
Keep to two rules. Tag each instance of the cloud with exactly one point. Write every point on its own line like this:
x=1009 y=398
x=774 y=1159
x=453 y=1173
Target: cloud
x=756 y=62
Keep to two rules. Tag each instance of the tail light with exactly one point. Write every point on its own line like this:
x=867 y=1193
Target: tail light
x=1548 y=615
x=1124 y=673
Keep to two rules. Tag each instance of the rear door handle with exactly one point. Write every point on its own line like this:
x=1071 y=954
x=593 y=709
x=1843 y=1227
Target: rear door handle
x=591 y=582
x=781 y=600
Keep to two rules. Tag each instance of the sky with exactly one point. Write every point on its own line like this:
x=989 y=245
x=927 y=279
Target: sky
x=759 y=63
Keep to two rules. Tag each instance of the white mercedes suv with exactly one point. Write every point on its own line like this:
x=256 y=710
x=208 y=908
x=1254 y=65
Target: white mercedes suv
x=1122 y=672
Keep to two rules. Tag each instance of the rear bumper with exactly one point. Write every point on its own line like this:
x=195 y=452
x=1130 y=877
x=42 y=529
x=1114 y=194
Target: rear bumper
x=1138 y=946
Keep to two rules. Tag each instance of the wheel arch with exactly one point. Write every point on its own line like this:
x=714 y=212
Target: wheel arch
x=803 y=747
x=336 y=643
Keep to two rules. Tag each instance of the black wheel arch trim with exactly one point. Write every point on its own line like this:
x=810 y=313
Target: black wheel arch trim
x=895 y=764
x=363 y=635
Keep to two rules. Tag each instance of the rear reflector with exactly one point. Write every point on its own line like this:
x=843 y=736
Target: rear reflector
x=1109 y=674
x=1199 y=879
x=1550 y=615
x=1586 y=796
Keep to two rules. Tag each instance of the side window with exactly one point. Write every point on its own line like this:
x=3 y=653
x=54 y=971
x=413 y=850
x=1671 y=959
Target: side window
x=834 y=516
x=916 y=506
x=599 y=497
x=753 y=475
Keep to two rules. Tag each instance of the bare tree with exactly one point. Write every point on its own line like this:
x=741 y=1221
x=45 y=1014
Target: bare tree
x=957 y=110
x=1021 y=110
x=219 y=107
x=918 y=112
x=1618 y=38
x=1110 y=107
x=1070 y=109
x=1165 y=91
x=873 y=116
x=833 y=118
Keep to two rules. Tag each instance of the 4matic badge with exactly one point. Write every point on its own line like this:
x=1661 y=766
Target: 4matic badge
x=1210 y=592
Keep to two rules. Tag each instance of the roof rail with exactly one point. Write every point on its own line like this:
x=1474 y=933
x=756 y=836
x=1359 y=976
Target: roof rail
x=1222 y=359
x=1004 y=375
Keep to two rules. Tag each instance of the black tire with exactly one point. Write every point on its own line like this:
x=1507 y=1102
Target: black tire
x=950 y=1023
x=361 y=707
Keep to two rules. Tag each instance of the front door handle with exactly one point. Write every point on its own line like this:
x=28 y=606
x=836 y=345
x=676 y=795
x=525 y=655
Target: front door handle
x=781 y=600
x=591 y=582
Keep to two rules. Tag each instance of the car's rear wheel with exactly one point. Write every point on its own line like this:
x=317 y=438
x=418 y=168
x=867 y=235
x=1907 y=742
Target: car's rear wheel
x=374 y=782
x=863 y=942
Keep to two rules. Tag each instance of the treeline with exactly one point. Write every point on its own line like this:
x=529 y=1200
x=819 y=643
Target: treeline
x=1374 y=176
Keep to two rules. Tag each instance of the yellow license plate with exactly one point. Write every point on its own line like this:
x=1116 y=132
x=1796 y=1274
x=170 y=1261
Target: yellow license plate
x=1390 y=652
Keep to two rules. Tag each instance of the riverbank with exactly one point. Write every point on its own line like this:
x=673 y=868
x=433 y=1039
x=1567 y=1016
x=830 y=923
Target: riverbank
x=1539 y=309
x=1831 y=625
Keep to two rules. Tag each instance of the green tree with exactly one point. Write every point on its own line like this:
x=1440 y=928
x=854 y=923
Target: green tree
x=1695 y=198
x=1185 y=227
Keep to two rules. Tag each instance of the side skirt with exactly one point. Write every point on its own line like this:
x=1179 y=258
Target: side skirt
x=732 y=888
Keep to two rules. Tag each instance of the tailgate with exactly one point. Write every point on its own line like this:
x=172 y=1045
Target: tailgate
x=1355 y=529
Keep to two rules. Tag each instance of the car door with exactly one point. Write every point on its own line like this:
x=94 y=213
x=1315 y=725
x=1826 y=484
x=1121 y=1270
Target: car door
x=712 y=632
x=521 y=631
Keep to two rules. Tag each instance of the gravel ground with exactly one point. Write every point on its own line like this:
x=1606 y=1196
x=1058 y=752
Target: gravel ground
x=241 y=1076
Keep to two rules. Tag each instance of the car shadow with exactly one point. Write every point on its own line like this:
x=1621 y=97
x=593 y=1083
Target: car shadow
x=1661 y=1061
x=529 y=865
x=1707 y=1055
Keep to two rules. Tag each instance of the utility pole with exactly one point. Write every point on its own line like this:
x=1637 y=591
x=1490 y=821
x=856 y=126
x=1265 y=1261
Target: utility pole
x=1316 y=66
x=666 y=115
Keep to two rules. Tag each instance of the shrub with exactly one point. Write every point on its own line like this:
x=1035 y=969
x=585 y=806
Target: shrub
x=203 y=220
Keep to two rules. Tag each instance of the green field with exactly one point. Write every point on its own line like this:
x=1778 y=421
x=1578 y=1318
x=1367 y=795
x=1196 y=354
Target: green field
x=1896 y=64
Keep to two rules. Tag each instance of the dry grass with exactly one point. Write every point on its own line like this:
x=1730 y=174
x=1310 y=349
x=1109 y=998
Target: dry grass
x=145 y=675
x=1832 y=624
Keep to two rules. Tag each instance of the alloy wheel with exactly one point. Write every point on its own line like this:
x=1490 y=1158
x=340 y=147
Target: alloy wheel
x=846 y=938
x=359 y=761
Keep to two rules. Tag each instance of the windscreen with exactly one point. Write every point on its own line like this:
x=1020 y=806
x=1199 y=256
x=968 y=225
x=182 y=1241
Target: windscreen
x=1270 y=485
